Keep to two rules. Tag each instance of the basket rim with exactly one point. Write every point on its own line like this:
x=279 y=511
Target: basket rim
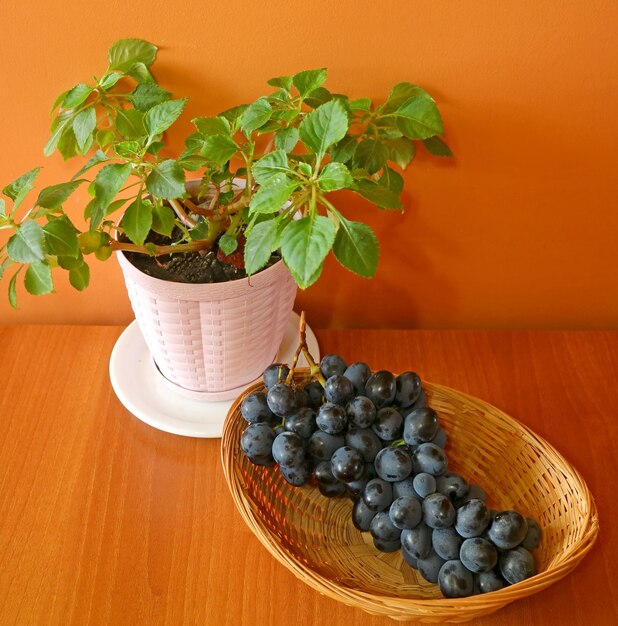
x=396 y=606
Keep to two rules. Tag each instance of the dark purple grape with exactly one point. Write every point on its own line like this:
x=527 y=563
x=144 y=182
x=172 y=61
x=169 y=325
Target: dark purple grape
x=508 y=529
x=533 y=536
x=517 y=565
x=386 y=546
x=339 y=390
x=488 y=581
x=417 y=541
x=361 y=412
x=408 y=388
x=424 y=484
x=473 y=518
x=296 y=475
x=381 y=388
x=476 y=493
x=254 y=408
x=405 y=512
x=288 y=449
x=411 y=560
x=440 y=438
x=455 y=580
x=438 y=511
x=478 y=555
x=323 y=473
x=393 y=464
x=281 y=399
x=446 y=542
x=338 y=490
x=321 y=445
x=315 y=392
x=420 y=426
x=382 y=528
x=420 y=402
x=453 y=486
x=302 y=398
x=331 y=418
x=365 y=441
x=362 y=515
x=430 y=459
x=302 y=422
x=256 y=440
x=275 y=373
x=358 y=373
x=430 y=567
x=347 y=464
x=405 y=488
x=356 y=487
x=388 y=424
x=332 y=364
x=370 y=471
x=377 y=495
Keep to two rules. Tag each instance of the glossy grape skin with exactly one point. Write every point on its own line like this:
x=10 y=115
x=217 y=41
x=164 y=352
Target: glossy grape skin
x=302 y=422
x=382 y=528
x=296 y=475
x=338 y=490
x=275 y=373
x=323 y=473
x=388 y=424
x=257 y=440
x=331 y=418
x=447 y=543
x=386 y=546
x=347 y=464
x=405 y=488
x=254 y=408
x=430 y=459
x=381 y=388
x=452 y=485
x=533 y=536
x=517 y=565
x=420 y=426
x=315 y=393
x=281 y=399
x=365 y=441
x=438 y=511
x=288 y=449
x=370 y=471
x=478 y=555
x=362 y=515
x=338 y=389
x=488 y=581
x=355 y=488
x=424 y=484
x=321 y=445
x=377 y=495
x=405 y=512
x=472 y=519
x=430 y=566
x=361 y=412
x=455 y=580
x=412 y=561
x=358 y=374
x=332 y=364
x=417 y=541
x=393 y=464
x=440 y=438
x=264 y=461
x=420 y=402
x=407 y=389
x=508 y=529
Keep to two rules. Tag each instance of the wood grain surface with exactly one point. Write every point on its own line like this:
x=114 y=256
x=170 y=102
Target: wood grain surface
x=105 y=520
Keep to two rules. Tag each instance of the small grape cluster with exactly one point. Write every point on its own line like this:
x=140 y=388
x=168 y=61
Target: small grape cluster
x=373 y=437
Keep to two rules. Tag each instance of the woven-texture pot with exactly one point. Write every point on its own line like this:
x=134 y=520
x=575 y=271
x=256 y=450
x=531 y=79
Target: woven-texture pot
x=212 y=338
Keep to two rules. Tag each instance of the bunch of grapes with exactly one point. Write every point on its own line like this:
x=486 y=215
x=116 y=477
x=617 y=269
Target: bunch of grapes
x=373 y=438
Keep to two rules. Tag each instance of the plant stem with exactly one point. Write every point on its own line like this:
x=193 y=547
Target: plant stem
x=181 y=213
x=304 y=348
x=202 y=244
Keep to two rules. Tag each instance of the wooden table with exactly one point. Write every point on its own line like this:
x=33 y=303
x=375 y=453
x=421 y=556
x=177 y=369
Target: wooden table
x=104 y=520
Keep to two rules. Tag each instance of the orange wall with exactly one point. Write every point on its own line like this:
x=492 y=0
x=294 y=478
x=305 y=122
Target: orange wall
x=520 y=230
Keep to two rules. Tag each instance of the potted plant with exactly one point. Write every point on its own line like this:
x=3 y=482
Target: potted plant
x=212 y=265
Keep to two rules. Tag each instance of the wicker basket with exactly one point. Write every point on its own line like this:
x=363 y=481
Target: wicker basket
x=313 y=536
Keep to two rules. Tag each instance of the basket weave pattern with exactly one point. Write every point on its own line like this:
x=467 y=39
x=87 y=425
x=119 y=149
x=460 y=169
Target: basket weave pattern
x=314 y=536
x=212 y=337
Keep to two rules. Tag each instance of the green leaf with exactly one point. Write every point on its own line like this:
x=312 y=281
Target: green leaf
x=139 y=72
x=61 y=238
x=27 y=244
x=272 y=195
x=125 y=53
x=218 y=148
x=13 y=288
x=38 y=279
x=200 y=231
x=127 y=149
x=109 y=80
x=104 y=252
x=335 y=176
x=167 y=180
x=437 y=147
x=234 y=116
x=109 y=182
x=147 y=95
x=317 y=97
x=378 y=194
x=163 y=219
x=130 y=124
x=391 y=180
x=54 y=196
x=212 y=125
x=308 y=80
x=286 y=139
x=90 y=241
x=83 y=126
x=273 y=163
x=256 y=115
x=305 y=244
x=105 y=137
x=284 y=82
x=161 y=116
x=53 y=141
x=67 y=145
x=69 y=262
x=79 y=276
x=260 y=244
x=192 y=163
x=323 y=127
x=2 y=208
x=400 y=151
x=305 y=169
x=356 y=247
x=371 y=155
x=76 y=96
x=19 y=188
x=95 y=159
x=419 y=118
x=344 y=150
x=400 y=94
x=227 y=243
x=137 y=221
x=360 y=104
x=58 y=101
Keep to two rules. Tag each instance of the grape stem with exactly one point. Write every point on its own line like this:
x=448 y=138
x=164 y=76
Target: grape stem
x=304 y=349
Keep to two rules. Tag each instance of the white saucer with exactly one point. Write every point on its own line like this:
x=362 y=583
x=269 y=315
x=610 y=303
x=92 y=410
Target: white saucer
x=140 y=388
